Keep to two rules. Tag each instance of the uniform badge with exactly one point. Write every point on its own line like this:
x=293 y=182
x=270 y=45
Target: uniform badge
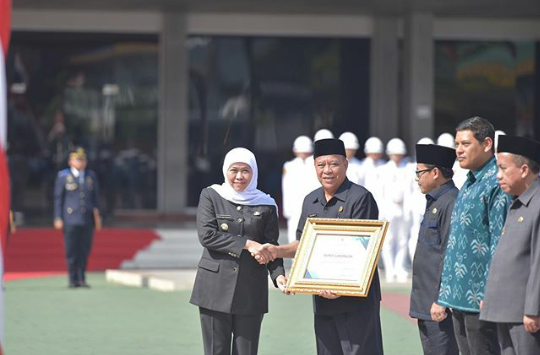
x=340 y=209
x=71 y=186
x=224 y=227
x=89 y=180
x=434 y=211
x=69 y=178
x=69 y=210
x=257 y=213
x=520 y=219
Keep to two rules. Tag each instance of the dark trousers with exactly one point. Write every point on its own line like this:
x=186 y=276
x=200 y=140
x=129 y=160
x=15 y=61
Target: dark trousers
x=78 y=242
x=515 y=340
x=474 y=336
x=351 y=333
x=438 y=337
x=220 y=328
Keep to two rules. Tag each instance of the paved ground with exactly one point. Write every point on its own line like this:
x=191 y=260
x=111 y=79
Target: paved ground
x=44 y=317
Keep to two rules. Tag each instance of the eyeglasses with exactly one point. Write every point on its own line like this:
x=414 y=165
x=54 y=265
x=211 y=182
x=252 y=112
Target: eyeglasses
x=419 y=172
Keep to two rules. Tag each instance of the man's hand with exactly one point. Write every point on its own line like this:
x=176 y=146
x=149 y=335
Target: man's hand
x=273 y=249
x=97 y=220
x=531 y=323
x=331 y=295
x=58 y=223
x=257 y=251
x=438 y=313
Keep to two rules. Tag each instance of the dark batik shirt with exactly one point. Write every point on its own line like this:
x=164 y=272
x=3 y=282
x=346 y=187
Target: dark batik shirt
x=353 y=202
x=431 y=248
x=477 y=221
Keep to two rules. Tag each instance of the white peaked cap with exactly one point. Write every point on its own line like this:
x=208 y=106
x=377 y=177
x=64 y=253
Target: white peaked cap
x=446 y=140
x=396 y=146
x=373 y=146
x=349 y=140
x=497 y=134
x=323 y=134
x=303 y=144
x=425 y=140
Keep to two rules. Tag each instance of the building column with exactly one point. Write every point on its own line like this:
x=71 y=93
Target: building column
x=173 y=114
x=418 y=79
x=384 y=116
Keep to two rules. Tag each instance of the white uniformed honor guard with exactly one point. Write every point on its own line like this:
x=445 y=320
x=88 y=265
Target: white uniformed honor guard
x=460 y=174
x=393 y=184
x=297 y=181
x=374 y=150
x=350 y=141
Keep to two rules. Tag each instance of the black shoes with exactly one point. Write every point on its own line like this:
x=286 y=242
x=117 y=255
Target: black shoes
x=82 y=284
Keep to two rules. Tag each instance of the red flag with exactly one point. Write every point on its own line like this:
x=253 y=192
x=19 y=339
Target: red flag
x=5 y=33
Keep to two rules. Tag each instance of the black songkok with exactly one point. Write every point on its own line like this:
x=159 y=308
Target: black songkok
x=437 y=155
x=526 y=147
x=329 y=146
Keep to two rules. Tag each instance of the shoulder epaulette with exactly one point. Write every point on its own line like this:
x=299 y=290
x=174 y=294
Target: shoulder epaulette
x=63 y=172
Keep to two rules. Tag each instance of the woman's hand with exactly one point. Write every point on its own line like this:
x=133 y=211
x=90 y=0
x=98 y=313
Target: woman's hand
x=261 y=254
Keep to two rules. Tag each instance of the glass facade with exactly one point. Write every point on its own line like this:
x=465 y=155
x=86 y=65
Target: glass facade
x=263 y=92
x=494 y=80
x=91 y=90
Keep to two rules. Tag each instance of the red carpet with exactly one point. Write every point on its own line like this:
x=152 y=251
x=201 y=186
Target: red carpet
x=398 y=303
x=42 y=249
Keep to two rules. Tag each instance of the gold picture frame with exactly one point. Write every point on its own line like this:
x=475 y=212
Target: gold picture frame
x=337 y=255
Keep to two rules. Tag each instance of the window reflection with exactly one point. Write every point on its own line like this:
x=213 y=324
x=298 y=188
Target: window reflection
x=494 y=80
x=95 y=91
x=261 y=93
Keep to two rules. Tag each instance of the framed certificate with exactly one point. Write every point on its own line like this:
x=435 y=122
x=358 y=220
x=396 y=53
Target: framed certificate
x=338 y=255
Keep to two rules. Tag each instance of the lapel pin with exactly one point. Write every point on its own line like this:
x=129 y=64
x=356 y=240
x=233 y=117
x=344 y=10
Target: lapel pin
x=340 y=209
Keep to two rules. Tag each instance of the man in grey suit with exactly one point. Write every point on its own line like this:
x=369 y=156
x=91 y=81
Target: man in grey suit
x=512 y=298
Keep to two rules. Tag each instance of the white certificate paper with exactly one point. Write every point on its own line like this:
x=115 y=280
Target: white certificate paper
x=338 y=258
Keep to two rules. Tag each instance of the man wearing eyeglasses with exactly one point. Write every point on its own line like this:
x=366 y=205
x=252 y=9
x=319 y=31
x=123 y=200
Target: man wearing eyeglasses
x=434 y=177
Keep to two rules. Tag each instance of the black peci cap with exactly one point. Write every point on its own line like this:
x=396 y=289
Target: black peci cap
x=329 y=146
x=529 y=148
x=435 y=155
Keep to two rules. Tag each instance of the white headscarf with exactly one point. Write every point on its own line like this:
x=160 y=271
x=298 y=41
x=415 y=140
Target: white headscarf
x=251 y=196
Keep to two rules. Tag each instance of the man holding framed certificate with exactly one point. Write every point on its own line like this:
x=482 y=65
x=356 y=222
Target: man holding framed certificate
x=343 y=325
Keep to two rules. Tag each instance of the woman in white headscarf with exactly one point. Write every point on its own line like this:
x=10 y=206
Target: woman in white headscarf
x=234 y=220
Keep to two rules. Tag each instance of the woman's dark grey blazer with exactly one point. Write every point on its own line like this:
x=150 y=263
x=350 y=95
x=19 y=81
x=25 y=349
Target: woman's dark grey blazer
x=229 y=279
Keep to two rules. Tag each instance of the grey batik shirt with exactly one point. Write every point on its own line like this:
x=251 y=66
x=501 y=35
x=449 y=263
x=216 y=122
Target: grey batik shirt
x=513 y=286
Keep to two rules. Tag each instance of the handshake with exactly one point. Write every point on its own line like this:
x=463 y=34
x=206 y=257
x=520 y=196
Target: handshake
x=263 y=253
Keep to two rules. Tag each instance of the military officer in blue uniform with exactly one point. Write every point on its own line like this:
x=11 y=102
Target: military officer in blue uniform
x=76 y=212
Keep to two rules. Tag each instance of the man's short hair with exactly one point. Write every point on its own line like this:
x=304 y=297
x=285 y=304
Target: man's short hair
x=480 y=127
x=521 y=160
x=446 y=172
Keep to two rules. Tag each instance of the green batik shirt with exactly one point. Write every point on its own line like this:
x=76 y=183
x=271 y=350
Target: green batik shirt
x=475 y=229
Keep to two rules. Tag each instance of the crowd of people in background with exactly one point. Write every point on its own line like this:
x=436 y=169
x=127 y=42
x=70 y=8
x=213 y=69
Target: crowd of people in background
x=391 y=181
